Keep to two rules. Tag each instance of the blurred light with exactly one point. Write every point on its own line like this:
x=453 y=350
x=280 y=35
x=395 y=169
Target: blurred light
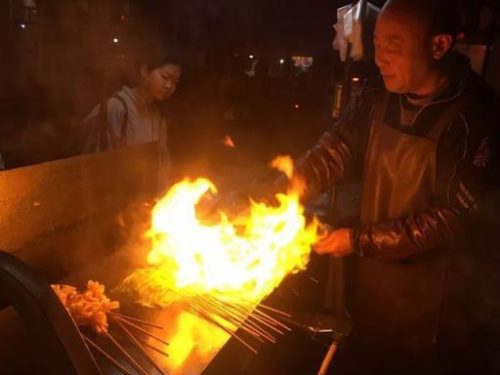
x=250 y=56
x=355 y=79
x=303 y=62
x=296 y=106
x=23 y=26
x=115 y=40
x=228 y=141
x=282 y=61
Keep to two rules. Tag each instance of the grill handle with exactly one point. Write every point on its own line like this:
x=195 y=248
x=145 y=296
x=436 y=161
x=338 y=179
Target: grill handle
x=59 y=342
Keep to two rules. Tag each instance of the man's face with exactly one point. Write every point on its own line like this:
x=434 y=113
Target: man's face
x=162 y=82
x=403 y=52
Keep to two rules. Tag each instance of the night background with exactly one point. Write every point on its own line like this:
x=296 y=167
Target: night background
x=262 y=72
x=61 y=58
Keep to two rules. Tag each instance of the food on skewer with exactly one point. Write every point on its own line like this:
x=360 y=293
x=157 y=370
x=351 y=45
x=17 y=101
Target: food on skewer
x=92 y=308
x=88 y=308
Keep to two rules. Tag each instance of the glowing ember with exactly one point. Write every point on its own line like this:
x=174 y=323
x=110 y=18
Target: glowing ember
x=247 y=260
x=228 y=141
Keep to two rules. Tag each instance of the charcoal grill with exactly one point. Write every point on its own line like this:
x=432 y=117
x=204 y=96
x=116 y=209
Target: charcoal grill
x=61 y=219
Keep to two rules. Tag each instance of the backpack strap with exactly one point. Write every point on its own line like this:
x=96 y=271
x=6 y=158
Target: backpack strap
x=102 y=126
x=103 y=123
x=124 y=124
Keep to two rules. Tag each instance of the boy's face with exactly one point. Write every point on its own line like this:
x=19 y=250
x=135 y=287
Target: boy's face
x=161 y=82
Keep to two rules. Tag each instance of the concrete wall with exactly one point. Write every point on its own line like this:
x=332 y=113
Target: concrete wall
x=61 y=212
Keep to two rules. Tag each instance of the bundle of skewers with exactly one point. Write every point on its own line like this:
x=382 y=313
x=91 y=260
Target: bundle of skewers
x=93 y=312
x=240 y=319
x=245 y=320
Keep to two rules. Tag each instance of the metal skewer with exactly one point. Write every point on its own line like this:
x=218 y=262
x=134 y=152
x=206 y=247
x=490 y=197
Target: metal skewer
x=135 y=320
x=141 y=329
x=127 y=356
x=139 y=346
x=106 y=355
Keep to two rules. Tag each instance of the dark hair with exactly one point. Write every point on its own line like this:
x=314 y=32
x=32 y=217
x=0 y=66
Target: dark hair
x=155 y=53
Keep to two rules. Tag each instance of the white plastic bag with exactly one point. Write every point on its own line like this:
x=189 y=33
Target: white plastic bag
x=350 y=28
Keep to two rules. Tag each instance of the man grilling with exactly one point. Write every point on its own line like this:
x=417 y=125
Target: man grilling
x=424 y=147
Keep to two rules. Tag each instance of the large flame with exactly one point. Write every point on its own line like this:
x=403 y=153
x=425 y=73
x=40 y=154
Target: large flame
x=247 y=257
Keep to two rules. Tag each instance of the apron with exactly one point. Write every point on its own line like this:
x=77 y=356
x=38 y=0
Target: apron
x=396 y=305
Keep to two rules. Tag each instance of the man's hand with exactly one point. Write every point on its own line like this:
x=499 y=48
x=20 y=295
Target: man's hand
x=335 y=242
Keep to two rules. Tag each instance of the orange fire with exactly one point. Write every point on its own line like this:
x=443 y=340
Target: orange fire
x=227 y=258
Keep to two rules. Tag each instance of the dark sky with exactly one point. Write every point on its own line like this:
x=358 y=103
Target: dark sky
x=295 y=23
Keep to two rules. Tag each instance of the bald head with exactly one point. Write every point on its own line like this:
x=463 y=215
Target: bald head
x=436 y=16
x=409 y=45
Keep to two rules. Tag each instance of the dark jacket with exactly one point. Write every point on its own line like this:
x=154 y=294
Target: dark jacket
x=466 y=167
